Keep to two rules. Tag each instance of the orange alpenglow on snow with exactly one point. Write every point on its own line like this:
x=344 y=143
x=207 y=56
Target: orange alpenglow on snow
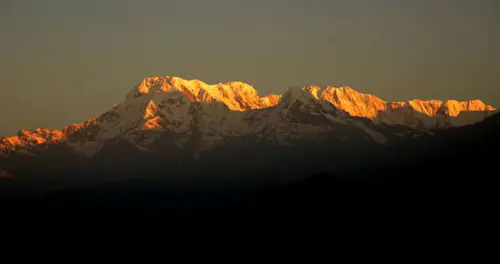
x=151 y=110
x=369 y=106
x=153 y=124
x=429 y=107
x=270 y=100
x=349 y=100
x=239 y=96
x=40 y=136
x=72 y=129
x=451 y=108
x=454 y=108
x=34 y=137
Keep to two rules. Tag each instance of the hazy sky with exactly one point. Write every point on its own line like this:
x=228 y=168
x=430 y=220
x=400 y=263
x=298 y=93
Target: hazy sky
x=64 y=61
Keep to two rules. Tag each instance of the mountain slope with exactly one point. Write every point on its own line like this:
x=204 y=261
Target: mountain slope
x=237 y=96
x=415 y=113
x=431 y=184
x=170 y=119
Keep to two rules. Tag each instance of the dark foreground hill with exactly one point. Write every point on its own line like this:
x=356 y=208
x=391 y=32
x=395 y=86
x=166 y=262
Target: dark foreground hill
x=448 y=179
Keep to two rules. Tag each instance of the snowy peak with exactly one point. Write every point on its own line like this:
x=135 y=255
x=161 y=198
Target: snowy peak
x=454 y=108
x=429 y=107
x=351 y=101
x=177 y=105
x=424 y=114
x=270 y=100
x=40 y=136
x=32 y=138
x=436 y=113
x=451 y=108
x=237 y=96
x=370 y=106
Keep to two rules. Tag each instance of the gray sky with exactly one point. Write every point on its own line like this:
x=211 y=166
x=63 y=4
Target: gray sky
x=64 y=61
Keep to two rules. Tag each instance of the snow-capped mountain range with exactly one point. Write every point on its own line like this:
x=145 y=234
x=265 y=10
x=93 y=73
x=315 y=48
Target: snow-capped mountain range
x=190 y=114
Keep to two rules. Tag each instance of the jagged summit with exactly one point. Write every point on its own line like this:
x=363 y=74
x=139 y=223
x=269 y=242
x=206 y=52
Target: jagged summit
x=369 y=106
x=349 y=100
x=176 y=105
x=238 y=96
x=31 y=138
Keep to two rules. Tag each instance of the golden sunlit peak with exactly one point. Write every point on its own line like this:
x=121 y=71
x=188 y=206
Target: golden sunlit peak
x=236 y=95
x=313 y=89
x=353 y=102
x=369 y=106
x=271 y=99
x=241 y=96
x=450 y=107
x=429 y=107
x=454 y=108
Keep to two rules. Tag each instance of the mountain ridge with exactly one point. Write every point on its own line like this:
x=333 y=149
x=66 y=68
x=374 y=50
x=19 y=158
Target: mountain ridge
x=164 y=103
